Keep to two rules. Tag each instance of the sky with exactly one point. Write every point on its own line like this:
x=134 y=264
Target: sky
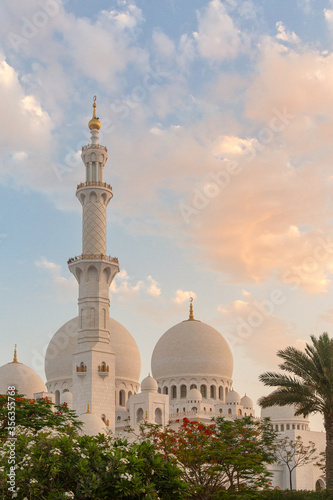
x=218 y=119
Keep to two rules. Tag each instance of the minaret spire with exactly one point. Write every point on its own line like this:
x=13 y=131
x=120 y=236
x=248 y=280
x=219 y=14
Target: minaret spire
x=15 y=355
x=191 y=316
x=94 y=272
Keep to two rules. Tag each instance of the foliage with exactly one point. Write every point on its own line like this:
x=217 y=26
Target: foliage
x=294 y=454
x=278 y=495
x=224 y=455
x=52 y=464
x=16 y=410
x=308 y=385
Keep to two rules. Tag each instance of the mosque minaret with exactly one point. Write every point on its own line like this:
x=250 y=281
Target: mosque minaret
x=94 y=357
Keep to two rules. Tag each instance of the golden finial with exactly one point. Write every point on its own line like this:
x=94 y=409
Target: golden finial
x=15 y=355
x=191 y=316
x=94 y=123
x=88 y=408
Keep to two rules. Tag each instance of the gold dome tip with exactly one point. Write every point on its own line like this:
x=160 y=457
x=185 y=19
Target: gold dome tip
x=191 y=316
x=15 y=355
x=88 y=408
x=94 y=123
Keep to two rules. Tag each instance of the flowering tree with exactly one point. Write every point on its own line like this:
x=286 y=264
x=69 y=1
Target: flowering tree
x=294 y=454
x=50 y=464
x=34 y=414
x=44 y=457
x=225 y=455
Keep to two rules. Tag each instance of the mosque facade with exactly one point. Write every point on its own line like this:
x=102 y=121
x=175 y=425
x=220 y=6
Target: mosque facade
x=93 y=363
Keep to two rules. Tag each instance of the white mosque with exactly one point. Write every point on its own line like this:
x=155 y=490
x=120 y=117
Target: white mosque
x=93 y=363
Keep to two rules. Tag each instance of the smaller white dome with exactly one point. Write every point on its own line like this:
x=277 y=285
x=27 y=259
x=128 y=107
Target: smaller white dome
x=92 y=425
x=24 y=378
x=283 y=413
x=67 y=397
x=232 y=397
x=247 y=402
x=149 y=384
x=194 y=395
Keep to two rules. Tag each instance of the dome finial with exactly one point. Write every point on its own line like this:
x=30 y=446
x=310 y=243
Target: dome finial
x=191 y=316
x=15 y=355
x=88 y=408
x=94 y=123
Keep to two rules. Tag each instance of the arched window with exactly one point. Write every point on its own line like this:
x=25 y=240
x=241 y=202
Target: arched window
x=204 y=408
x=184 y=410
x=276 y=427
x=293 y=426
x=221 y=393
x=240 y=413
x=177 y=411
x=203 y=390
x=245 y=414
x=122 y=398
x=213 y=391
x=158 y=416
x=139 y=415
x=183 y=391
x=288 y=427
x=118 y=419
x=298 y=427
x=174 y=392
x=282 y=427
x=57 y=397
x=195 y=409
x=220 y=410
x=226 y=391
x=165 y=390
x=129 y=394
x=159 y=390
x=229 y=411
x=193 y=386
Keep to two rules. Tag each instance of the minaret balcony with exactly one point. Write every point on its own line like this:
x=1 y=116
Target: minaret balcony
x=103 y=370
x=94 y=146
x=92 y=256
x=94 y=183
x=81 y=370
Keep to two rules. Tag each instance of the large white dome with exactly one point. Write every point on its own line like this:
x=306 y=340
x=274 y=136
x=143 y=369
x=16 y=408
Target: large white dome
x=192 y=348
x=281 y=413
x=58 y=358
x=24 y=378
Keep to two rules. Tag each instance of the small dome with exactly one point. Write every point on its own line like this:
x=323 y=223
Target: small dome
x=59 y=354
x=194 y=395
x=232 y=397
x=192 y=348
x=282 y=413
x=149 y=384
x=247 y=402
x=22 y=377
x=92 y=424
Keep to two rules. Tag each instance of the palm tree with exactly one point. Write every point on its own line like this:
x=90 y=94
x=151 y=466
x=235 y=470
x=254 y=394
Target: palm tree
x=308 y=385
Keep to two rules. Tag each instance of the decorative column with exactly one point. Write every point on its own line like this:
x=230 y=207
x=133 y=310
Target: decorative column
x=94 y=358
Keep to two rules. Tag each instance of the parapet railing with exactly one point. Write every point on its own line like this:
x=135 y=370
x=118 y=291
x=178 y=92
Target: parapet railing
x=94 y=146
x=93 y=256
x=93 y=183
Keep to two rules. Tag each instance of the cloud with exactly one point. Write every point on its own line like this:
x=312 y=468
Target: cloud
x=183 y=296
x=153 y=289
x=250 y=323
x=66 y=288
x=123 y=286
x=217 y=37
x=284 y=35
